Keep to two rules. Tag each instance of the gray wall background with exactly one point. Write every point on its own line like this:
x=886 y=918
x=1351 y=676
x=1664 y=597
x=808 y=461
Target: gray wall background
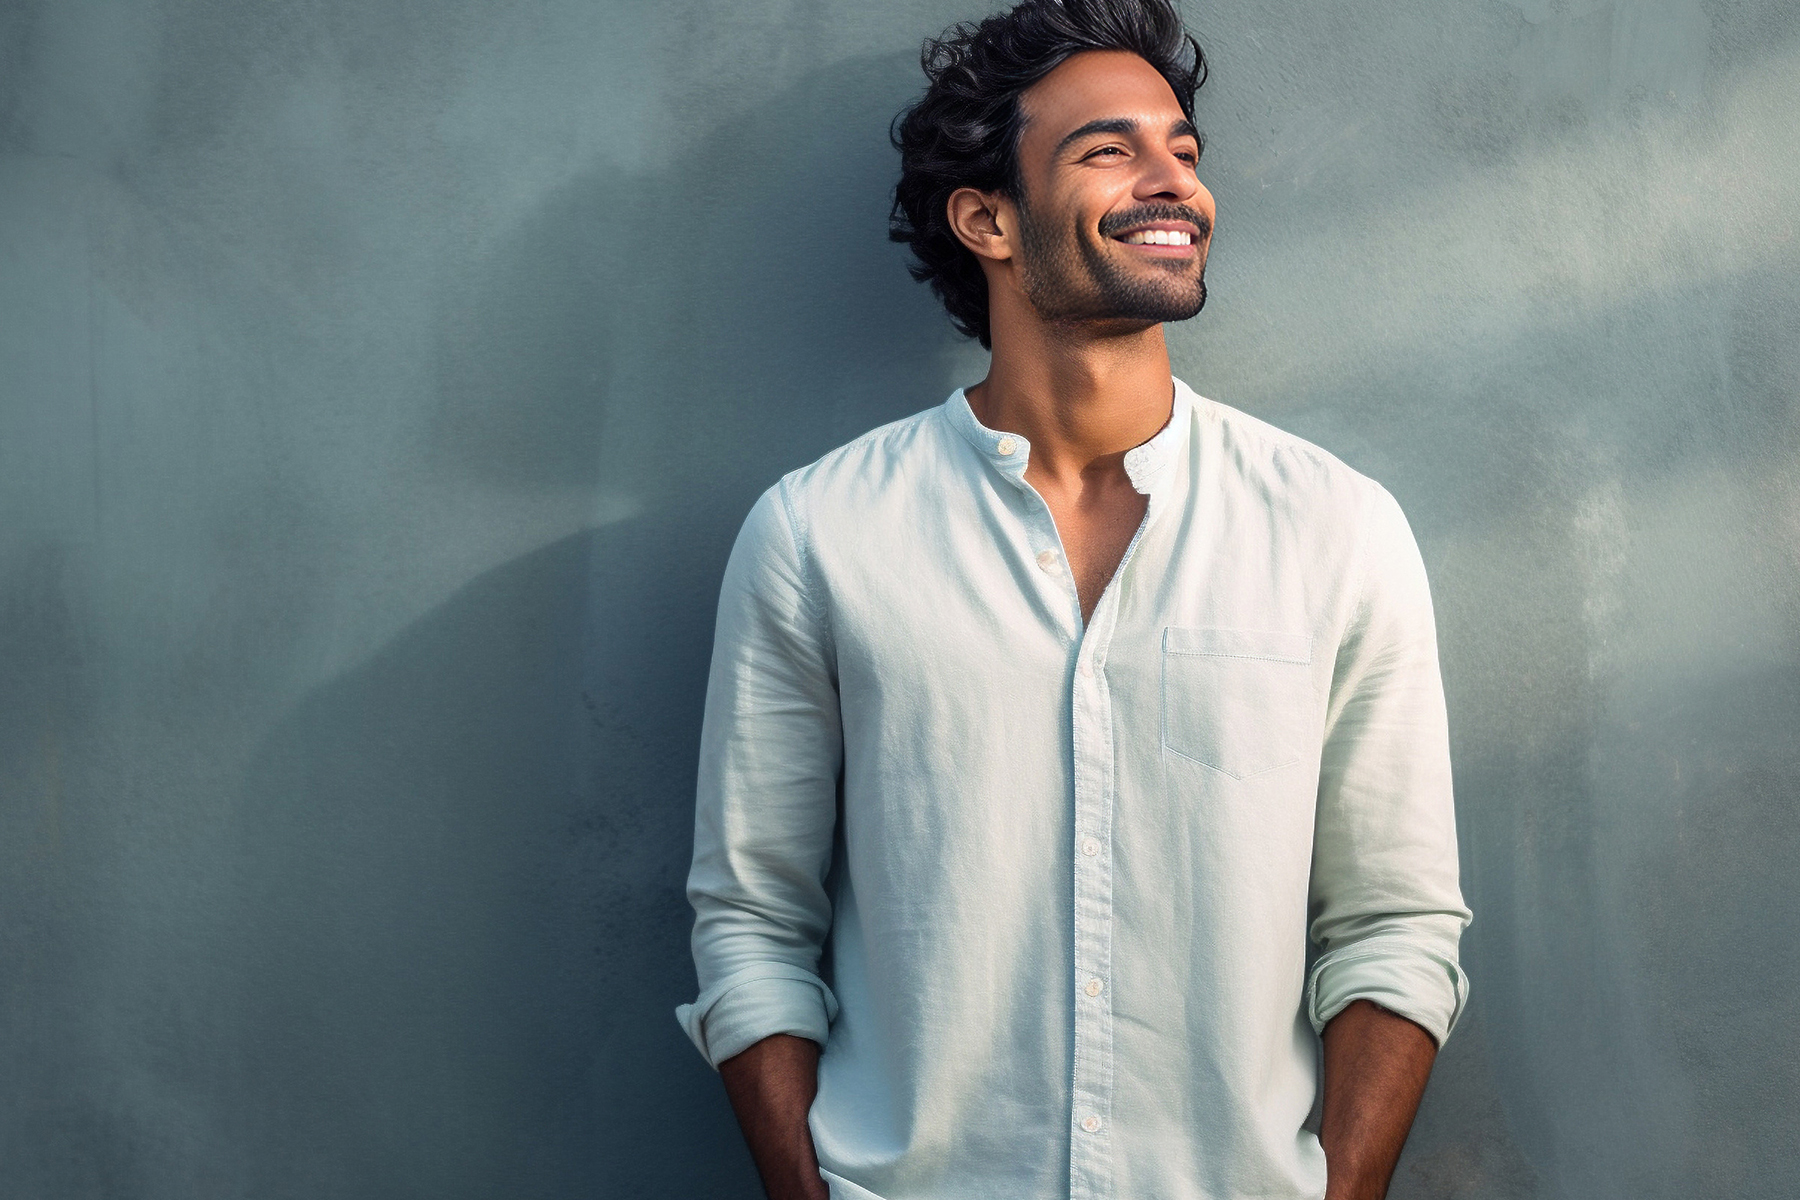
x=381 y=385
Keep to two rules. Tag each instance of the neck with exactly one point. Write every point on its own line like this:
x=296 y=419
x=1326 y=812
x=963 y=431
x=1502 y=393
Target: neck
x=1081 y=398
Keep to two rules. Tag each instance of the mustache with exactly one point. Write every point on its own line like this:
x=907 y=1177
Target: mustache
x=1114 y=224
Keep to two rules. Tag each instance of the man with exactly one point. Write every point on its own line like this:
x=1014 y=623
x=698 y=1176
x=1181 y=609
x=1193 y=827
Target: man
x=1045 y=726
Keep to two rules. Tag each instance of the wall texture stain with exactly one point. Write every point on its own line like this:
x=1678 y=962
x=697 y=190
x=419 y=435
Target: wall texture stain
x=381 y=387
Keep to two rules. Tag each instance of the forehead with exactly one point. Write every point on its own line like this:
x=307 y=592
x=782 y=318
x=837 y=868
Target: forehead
x=1090 y=86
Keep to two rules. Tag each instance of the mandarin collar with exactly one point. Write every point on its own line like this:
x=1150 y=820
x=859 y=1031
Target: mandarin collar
x=1146 y=464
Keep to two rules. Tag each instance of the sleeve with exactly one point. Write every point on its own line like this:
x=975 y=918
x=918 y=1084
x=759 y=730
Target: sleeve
x=766 y=805
x=1385 y=907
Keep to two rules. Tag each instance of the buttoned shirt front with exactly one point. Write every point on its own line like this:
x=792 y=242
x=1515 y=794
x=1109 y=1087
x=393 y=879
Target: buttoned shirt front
x=1042 y=887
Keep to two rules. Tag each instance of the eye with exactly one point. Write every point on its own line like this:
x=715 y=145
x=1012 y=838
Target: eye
x=1104 y=150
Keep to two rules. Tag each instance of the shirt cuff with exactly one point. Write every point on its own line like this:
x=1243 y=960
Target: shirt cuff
x=757 y=1002
x=1417 y=982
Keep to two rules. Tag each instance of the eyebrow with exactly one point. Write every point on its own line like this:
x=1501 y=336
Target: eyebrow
x=1180 y=128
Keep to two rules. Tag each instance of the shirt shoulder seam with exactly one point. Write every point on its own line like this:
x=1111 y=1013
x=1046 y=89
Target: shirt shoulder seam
x=1279 y=439
x=888 y=429
x=1369 y=490
x=811 y=586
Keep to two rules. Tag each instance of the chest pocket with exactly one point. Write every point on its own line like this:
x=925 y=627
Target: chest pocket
x=1236 y=700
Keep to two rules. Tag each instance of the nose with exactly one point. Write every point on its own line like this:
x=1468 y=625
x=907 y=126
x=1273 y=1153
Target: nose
x=1167 y=177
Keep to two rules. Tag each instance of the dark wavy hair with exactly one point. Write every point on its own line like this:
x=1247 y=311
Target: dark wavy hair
x=964 y=130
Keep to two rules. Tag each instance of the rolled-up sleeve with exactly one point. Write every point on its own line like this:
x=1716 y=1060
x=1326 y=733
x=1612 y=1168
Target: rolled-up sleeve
x=765 y=812
x=1386 y=909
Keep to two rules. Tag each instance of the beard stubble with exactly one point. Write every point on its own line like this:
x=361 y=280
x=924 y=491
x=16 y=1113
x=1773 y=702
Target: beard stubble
x=1070 y=280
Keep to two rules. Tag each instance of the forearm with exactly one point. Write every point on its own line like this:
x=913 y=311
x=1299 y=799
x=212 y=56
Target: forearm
x=1376 y=1065
x=771 y=1086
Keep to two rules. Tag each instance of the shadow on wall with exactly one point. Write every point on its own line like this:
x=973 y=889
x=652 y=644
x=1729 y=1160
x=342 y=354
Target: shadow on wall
x=460 y=923
x=731 y=317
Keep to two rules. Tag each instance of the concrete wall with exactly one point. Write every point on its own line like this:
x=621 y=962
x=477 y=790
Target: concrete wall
x=381 y=385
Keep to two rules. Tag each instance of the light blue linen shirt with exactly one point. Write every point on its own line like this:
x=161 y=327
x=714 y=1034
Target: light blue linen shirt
x=1042 y=888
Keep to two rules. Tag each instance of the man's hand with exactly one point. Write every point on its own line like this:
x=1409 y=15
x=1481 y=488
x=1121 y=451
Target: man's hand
x=1376 y=1064
x=772 y=1085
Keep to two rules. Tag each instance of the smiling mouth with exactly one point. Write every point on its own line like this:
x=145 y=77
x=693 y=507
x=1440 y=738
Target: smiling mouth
x=1157 y=237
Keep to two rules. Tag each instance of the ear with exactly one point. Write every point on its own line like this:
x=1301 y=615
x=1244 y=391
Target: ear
x=982 y=221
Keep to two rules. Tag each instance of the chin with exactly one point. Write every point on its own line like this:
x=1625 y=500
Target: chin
x=1168 y=306
x=1168 y=295
x=1114 y=294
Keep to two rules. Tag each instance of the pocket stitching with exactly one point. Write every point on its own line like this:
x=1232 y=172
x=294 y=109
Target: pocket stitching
x=1280 y=658
x=1168 y=749
x=1238 y=643
x=1167 y=651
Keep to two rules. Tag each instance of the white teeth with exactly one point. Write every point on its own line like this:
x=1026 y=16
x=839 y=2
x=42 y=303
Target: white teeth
x=1158 y=237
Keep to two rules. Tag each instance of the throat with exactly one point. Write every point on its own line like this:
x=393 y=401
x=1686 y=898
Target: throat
x=1096 y=528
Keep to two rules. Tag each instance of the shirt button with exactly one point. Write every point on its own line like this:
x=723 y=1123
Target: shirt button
x=1090 y=846
x=1085 y=667
x=1093 y=987
x=1091 y=1124
x=1006 y=446
x=1052 y=565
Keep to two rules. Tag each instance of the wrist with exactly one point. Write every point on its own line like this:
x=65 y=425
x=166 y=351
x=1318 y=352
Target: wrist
x=1362 y=1187
x=796 y=1178
x=772 y=1085
x=802 y=1186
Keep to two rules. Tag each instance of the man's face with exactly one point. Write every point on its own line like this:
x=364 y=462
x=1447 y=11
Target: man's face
x=1113 y=223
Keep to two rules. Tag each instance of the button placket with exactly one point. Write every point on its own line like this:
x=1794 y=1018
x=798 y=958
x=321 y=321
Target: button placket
x=1090 y=1156
x=1090 y=1152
